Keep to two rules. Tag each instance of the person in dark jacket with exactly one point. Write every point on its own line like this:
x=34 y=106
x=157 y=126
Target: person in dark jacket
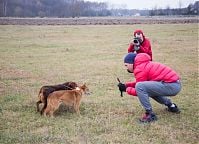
x=152 y=80
x=140 y=44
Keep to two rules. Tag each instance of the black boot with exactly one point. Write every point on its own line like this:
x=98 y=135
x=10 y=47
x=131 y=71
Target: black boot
x=173 y=108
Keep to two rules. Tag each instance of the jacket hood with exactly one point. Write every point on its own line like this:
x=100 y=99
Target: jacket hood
x=141 y=58
x=139 y=31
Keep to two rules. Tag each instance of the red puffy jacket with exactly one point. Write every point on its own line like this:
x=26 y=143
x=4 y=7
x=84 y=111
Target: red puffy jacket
x=145 y=47
x=146 y=70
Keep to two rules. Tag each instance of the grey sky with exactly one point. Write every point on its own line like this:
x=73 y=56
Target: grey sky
x=147 y=4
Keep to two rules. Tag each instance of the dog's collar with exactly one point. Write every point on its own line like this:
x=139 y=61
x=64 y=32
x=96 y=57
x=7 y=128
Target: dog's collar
x=77 y=88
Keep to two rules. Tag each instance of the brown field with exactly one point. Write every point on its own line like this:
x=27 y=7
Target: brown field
x=35 y=55
x=99 y=20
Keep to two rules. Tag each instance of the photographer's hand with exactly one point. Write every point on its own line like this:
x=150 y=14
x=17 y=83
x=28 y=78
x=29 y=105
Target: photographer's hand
x=131 y=42
x=136 y=48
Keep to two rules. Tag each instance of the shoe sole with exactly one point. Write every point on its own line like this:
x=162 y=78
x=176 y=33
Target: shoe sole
x=153 y=120
x=177 y=112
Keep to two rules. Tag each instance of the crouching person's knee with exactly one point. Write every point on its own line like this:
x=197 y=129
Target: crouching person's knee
x=139 y=87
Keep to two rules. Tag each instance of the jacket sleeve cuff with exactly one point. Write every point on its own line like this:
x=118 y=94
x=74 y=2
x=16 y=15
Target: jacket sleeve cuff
x=130 y=84
x=131 y=91
x=130 y=49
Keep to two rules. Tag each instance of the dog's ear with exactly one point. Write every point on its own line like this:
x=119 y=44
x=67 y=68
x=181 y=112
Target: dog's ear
x=83 y=86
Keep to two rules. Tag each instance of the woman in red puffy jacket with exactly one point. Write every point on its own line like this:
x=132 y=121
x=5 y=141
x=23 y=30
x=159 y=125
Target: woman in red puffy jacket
x=152 y=80
x=140 y=44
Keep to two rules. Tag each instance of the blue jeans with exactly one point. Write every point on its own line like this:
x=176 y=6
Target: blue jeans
x=156 y=90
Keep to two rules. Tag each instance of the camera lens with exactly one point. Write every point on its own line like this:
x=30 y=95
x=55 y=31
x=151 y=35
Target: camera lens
x=135 y=41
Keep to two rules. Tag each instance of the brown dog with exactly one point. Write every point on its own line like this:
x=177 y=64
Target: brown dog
x=68 y=97
x=46 y=90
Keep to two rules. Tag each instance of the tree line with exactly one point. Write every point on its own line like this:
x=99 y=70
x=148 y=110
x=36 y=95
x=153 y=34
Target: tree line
x=191 y=9
x=80 y=8
x=52 y=8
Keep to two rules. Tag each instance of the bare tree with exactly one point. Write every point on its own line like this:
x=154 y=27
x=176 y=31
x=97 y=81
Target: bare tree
x=4 y=5
x=179 y=6
x=168 y=11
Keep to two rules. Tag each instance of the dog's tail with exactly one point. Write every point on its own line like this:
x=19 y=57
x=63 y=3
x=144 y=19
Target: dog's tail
x=42 y=96
x=44 y=107
x=39 y=99
x=45 y=96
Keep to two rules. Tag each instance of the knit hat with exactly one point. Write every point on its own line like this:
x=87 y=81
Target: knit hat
x=130 y=58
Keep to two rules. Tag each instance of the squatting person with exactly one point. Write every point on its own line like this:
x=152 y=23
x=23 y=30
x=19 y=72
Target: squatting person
x=152 y=80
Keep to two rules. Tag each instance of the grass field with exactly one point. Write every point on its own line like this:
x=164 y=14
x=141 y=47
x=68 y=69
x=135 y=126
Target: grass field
x=32 y=56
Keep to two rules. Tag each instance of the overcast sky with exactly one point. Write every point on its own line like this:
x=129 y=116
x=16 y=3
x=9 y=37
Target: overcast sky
x=147 y=4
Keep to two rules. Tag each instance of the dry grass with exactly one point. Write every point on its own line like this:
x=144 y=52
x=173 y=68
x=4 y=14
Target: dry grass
x=32 y=56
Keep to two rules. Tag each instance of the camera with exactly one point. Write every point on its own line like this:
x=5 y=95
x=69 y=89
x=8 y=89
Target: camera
x=136 y=41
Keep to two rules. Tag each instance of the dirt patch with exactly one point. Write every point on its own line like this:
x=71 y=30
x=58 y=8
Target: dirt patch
x=98 y=21
x=13 y=74
x=42 y=130
x=12 y=79
x=2 y=88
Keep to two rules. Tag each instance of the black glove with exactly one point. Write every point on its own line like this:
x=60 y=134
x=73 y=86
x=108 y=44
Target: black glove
x=122 y=87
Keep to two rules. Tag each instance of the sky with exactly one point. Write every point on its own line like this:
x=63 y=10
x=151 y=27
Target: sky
x=146 y=4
